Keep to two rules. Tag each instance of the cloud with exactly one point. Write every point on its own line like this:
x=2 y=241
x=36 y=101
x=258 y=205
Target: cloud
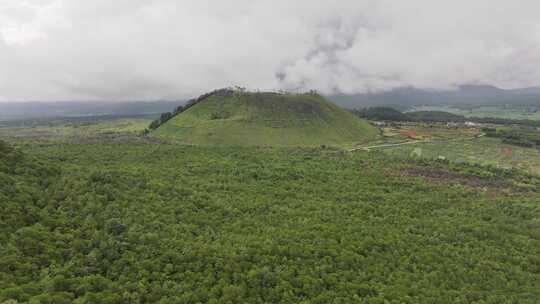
x=150 y=49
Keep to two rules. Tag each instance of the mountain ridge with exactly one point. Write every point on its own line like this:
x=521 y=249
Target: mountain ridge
x=464 y=94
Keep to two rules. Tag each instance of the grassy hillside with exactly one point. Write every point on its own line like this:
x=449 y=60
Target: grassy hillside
x=272 y=119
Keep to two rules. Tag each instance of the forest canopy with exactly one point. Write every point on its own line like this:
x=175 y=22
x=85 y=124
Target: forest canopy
x=140 y=223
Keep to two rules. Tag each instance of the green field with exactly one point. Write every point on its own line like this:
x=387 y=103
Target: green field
x=462 y=144
x=73 y=129
x=484 y=151
x=266 y=119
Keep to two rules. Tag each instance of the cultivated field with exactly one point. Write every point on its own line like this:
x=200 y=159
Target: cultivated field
x=456 y=143
x=484 y=151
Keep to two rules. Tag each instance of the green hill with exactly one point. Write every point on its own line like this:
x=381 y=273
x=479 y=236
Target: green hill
x=231 y=117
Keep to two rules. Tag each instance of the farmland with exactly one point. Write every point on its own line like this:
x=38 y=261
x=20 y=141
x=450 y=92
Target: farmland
x=457 y=143
x=484 y=151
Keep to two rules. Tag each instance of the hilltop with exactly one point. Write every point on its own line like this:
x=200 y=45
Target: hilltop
x=235 y=117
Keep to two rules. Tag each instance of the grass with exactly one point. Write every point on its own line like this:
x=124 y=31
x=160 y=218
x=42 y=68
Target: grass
x=73 y=128
x=460 y=144
x=483 y=151
x=267 y=119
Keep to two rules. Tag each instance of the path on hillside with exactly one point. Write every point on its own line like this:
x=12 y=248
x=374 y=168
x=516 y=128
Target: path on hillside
x=415 y=142
x=390 y=145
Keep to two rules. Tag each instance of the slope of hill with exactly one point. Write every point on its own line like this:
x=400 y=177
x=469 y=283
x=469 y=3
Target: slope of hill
x=230 y=117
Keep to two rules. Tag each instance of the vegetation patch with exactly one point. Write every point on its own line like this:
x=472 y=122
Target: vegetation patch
x=449 y=177
x=444 y=114
x=126 y=222
x=97 y=214
x=236 y=117
x=517 y=135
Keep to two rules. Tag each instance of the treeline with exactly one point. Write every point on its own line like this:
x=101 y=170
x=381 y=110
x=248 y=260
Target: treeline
x=521 y=136
x=435 y=116
x=391 y=114
x=504 y=121
x=381 y=113
x=164 y=117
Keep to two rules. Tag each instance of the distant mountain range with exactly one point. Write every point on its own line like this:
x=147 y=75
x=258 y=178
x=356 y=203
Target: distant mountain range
x=31 y=110
x=464 y=95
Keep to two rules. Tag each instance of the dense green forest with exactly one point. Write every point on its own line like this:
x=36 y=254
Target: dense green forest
x=435 y=116
x=391 y=114
x=382 y=113
x=165 y=223
x=518 y=135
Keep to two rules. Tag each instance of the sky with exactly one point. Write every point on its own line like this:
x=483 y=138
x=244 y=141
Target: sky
x=176 y=49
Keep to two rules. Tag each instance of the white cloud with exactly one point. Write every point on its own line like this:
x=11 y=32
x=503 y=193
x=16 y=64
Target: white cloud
x=149 y=49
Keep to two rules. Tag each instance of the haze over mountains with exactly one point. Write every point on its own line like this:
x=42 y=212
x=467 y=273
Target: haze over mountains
x=52 y=109
x=402 y=97
x=465 y=94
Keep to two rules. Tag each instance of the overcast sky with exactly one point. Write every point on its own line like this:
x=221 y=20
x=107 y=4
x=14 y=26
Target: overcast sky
x=174 y=49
